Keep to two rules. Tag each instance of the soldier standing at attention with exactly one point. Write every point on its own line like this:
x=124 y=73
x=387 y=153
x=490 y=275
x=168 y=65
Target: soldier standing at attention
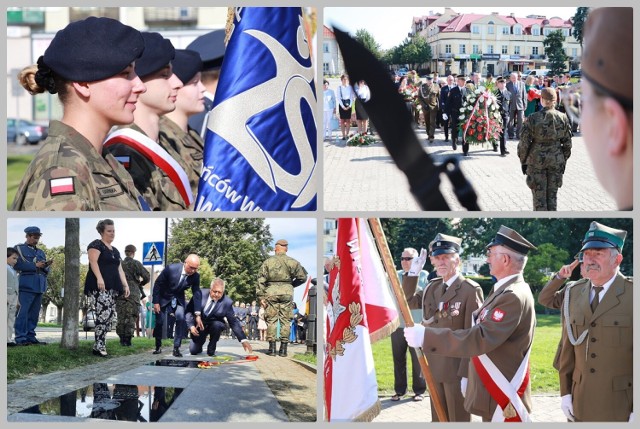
x=596 y=361
x=429 y=96
x=448 y=302
x=278 y=275
x=89 y=64
x=545 y=146
x=500 y=339
x=128 y=308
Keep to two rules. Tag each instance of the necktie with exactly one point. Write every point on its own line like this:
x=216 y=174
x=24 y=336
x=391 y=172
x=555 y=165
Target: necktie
x=181 y=282
x=596 y=299
x=209 y=307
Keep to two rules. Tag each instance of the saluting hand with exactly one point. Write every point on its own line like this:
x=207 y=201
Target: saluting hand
x=566 y=270
x=418 y=263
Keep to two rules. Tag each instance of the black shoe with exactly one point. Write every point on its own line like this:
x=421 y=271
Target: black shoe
x=211 y=353
x=506 y=152
x=100 y=353
x=283 y=349
x=23 y=344
x=446 y=139
x=38 y=343
x=127 y=341
x=157 y=351
x=272 y=348
x=11 y=344
x=176 y=352
x=454 y=145
x=495 y=147
x=122 y=340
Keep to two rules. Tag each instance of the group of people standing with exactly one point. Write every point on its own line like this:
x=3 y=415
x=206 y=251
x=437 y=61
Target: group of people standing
x=346 y=98
x=478 y=348
x=125 y=140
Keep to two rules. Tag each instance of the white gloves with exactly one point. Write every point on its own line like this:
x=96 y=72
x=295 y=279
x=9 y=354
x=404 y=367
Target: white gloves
x=414 y=335
x=417 y=264
x=445 y=117
x=463 y=386
x=567 y=407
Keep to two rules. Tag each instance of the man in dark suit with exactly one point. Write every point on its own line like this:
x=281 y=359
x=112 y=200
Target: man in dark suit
x=444 y=95
x=210 y=322
x=452 y=107
x=171 y=283
x=517 y=105
x=211 y=48
x=503 y=101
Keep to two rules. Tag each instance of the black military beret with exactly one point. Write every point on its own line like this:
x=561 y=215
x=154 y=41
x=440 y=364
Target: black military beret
x=158 y=53
x=186 y=64
x=211 y=47
x=93 y=49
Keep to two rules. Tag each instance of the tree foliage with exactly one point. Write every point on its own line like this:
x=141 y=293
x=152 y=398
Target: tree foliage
x=413 y=51
x=554 y=48
x=233 y=248
x=578 y=23
x=369 y=42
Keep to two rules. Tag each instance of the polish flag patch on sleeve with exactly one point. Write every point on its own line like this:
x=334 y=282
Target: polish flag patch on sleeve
x=125 y=161
x=497 y=315
x=62 y=186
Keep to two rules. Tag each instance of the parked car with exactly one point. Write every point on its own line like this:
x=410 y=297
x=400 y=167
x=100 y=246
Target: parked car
x=576 y=73
x=21 y=131
x=534 y=72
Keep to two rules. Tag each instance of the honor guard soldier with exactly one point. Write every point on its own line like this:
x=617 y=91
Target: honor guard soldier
x=89 y=64
x=499 y=341
x=128 y=308
x=596 y=361
x=447 y=302
x=278 y=275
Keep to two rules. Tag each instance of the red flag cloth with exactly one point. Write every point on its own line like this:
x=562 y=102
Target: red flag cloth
x=359 y=308
x=533 y=94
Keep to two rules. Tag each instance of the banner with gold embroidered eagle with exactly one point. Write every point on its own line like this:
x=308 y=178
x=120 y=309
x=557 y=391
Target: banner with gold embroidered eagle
x=360 y=311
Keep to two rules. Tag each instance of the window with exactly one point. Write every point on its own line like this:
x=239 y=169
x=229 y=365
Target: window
x=489 y=49
x=535 y=31
x=325 y=47
x=505 y=30
x=574 y=52
x=462 y=49
x=325 y=68
x=447 y=49
x=517 y=30
x=490 y=29
x=475 y=49
x=565 y=32
x=516 y=50
x=505 y=49
x=475 y=29
x=534 y=50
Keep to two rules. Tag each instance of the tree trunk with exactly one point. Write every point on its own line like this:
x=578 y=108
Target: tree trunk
x=59 y=316
x=71 y=284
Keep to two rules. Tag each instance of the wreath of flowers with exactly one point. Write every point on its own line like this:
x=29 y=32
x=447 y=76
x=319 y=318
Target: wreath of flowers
x=409 y=93
x=360 y=140
x=480 y=119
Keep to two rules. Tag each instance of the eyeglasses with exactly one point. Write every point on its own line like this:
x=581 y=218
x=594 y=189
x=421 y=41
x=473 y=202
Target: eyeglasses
x=406 y=258
x=489 y=253
x=192 y=268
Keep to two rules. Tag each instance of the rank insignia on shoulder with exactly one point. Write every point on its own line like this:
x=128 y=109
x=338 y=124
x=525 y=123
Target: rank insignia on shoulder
x=124 y=160
x=497 y=315
x=62 y=186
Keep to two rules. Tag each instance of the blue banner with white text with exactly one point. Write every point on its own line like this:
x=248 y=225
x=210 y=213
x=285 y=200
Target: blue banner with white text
x=260 y=148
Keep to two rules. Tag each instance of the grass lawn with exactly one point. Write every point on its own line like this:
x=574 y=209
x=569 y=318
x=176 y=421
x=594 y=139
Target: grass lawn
x=308 y=358
x=16 y=166
x=544 y=378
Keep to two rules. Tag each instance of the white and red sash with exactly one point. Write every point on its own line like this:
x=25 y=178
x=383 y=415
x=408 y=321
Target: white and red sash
x=157 y=155
x=503 y=391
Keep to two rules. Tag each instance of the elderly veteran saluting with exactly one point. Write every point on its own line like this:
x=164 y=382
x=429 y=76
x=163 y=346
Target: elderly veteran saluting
x=448 y=302
x=596 y=361
x=499 y=340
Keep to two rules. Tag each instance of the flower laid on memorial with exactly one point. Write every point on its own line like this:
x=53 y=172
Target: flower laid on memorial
x=360 y=140
x=480 y=119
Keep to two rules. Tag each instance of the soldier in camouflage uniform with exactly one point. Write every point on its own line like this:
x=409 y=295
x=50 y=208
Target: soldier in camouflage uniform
x=174 y=126
x=158 y=171
x=70 y=172
x=545 y=146
x=128 y=308
x=278 y=276
x=429 y=96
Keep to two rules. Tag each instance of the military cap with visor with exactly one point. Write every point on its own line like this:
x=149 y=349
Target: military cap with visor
x=445 y=244
x=282 y=242
x=511 y=239
x=603 y=237
x=91 y=49
x=32 y=230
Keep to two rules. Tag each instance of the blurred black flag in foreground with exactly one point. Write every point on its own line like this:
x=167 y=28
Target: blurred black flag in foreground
x=392 y=121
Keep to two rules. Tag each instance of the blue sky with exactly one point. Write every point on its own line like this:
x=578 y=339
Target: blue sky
x=300 y=232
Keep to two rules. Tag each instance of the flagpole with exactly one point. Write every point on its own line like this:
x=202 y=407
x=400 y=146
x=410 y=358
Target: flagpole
x=387 y=261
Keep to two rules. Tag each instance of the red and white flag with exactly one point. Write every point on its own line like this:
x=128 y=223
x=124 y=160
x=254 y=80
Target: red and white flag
x=360 y=311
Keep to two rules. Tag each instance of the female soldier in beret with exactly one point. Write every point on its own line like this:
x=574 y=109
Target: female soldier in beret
x=174 y=127
x=90 y=65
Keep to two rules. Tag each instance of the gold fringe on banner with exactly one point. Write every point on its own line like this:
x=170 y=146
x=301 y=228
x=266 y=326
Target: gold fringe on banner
x=385 y=331
x=228 y=29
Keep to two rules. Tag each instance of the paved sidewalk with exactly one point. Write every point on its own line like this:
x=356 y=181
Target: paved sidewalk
x=546 y=408
x=366 y=178
x=234 y=392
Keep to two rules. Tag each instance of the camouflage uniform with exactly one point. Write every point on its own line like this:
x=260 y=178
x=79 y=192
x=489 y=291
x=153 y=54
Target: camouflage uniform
x=276 y=280
x=128 y=308
x=546 y=136
x=97 y=182
x=189 y=147
x=152 y=182
x=429 y=96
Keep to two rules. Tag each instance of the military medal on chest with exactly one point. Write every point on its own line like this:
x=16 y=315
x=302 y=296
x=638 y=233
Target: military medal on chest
x=442 y=309
x=455 y=309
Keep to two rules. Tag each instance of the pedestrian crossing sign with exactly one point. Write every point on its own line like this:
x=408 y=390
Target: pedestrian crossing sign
x=153 y=253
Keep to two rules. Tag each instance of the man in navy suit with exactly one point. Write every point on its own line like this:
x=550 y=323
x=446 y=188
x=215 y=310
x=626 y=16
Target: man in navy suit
x=216 y=306
x=444 y=95
x=452 y=109
x=171 y=283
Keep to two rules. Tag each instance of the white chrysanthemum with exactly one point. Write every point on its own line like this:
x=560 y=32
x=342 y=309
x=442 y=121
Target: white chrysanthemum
x=481 y=89
x=461 y=117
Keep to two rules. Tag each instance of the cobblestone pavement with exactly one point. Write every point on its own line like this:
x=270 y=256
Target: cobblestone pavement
x=366 y=178
x=546 y=408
